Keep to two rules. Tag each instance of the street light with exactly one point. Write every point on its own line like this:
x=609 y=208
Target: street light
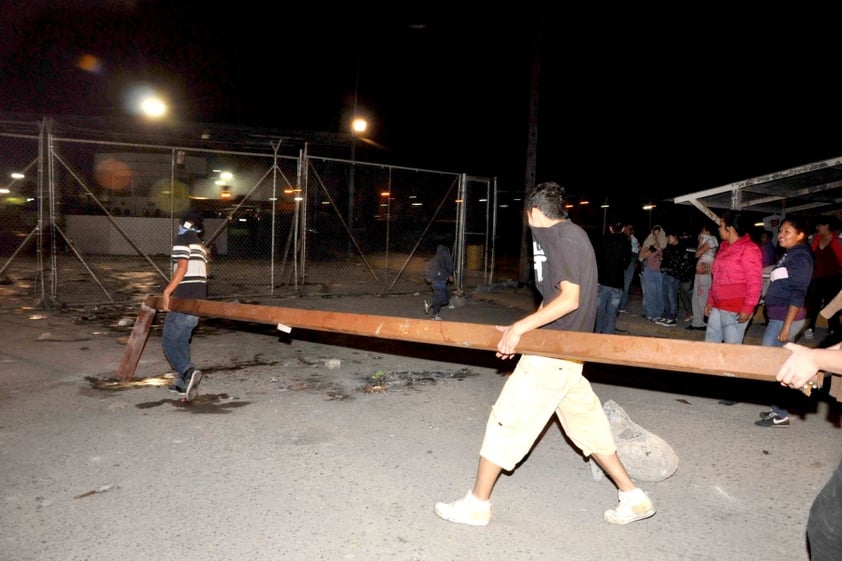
x=359 y=125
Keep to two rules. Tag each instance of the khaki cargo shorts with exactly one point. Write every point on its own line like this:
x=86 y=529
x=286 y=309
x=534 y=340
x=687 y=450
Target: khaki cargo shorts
x=539 y=387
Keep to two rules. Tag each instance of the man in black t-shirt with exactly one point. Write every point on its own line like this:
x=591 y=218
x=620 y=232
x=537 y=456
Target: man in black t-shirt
x=566 y=276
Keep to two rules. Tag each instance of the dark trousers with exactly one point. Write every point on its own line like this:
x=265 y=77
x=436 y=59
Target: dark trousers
x=440 y=297
x=824 y=525
x=821 y=292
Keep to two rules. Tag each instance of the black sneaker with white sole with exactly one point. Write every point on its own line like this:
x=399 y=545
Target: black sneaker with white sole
x=178 y=386
x=773 y=420
x=178 y=390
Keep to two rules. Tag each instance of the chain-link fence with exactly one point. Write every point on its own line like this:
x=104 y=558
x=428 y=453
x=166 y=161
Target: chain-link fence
x=89 y=216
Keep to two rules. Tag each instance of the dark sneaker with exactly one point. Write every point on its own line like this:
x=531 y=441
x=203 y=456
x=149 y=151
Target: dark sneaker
x=766 y=414
x=180 y=391
x=773 y=421
x=697 y=327
x=666 y=322
x=193 y=385
x=178 y=386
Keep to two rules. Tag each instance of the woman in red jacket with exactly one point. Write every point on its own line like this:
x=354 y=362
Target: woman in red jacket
x=737 y=279
x=827 y=268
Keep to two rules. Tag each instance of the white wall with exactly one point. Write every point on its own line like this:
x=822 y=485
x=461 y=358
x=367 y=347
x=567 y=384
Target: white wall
x=96 y=235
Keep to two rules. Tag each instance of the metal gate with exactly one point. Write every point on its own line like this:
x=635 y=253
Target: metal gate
x=89 y=216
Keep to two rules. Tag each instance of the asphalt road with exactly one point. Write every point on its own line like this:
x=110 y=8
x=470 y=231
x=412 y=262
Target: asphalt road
x=321 y=446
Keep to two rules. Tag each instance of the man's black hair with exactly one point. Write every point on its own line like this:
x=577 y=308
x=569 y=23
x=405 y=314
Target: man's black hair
x=547 y=197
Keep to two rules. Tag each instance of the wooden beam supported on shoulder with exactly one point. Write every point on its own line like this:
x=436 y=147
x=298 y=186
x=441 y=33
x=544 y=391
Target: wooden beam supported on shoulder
x=736 y=361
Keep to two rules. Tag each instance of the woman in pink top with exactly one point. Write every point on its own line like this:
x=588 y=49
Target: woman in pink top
x=737 y=280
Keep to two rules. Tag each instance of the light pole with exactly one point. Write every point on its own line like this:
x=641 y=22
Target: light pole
x=358 y=127
x=604 y=214
x=648 y=208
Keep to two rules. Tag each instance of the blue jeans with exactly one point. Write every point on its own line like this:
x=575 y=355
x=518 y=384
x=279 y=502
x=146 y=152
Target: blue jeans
x=628 y=276
x=607 y=308
x=724 y=327
x=175 y=340
x=653 y=293
x=770 y=339
x=670 y=287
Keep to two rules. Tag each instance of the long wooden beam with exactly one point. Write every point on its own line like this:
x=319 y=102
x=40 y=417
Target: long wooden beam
x=739 y=361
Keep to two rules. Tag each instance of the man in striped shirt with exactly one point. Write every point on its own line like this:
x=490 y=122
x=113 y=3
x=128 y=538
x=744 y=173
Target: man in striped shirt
x=189 y=280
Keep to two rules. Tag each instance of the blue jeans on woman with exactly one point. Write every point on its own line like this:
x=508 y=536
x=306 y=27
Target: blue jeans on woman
x=653 y=294
x=770 y=339
x=724 y=327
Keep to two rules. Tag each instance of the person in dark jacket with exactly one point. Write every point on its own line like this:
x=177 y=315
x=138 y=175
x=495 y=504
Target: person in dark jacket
x=671 y=272
x=612 y=259
x=438 y=273
x=785 y=299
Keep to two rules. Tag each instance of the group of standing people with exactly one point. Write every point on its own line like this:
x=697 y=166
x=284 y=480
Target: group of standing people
x=802 y=275
x=666 y=275
x=725 y=276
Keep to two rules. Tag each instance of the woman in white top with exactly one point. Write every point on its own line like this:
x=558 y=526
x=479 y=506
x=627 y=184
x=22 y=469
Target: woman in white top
x=705 y=252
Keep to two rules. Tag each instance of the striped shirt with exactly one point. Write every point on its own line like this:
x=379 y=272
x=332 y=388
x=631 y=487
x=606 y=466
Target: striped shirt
x=195 y=283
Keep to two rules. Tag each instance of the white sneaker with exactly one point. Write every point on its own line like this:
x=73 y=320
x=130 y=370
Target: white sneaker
x=426 y=307
x=467 y=510
x=634 y=505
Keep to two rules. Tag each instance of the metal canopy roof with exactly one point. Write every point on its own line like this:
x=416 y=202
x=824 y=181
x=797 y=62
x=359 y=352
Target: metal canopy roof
x=815 y=188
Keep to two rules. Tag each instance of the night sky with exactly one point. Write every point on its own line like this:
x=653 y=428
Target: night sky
x=632 y=105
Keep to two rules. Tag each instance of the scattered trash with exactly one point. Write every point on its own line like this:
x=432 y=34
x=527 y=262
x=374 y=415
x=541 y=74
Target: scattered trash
x=373 y=389
x=37 y=316
x=102 y=489
x=333 y=363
